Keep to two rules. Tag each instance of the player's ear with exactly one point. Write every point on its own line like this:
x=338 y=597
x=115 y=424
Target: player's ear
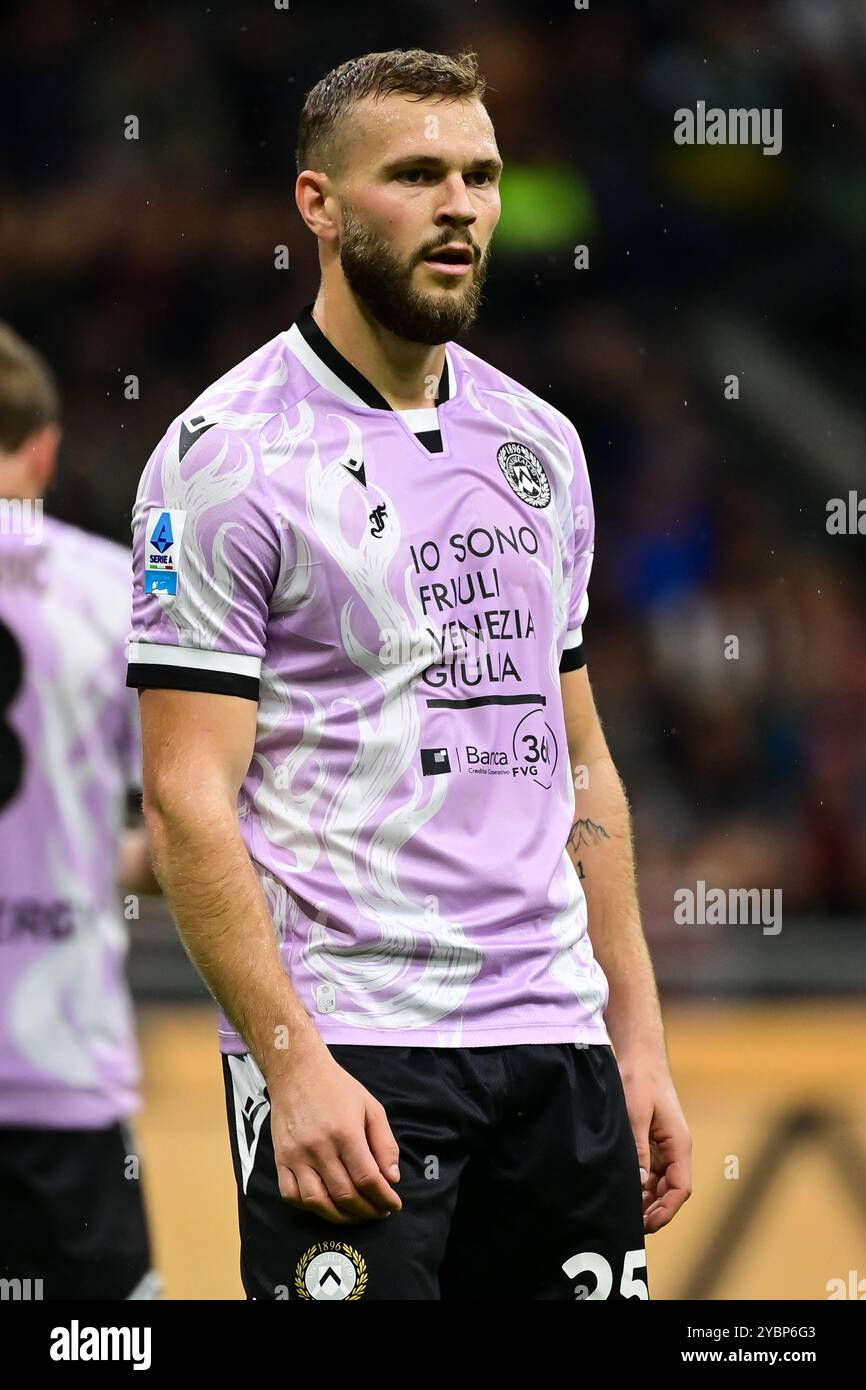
x=45 y=445
x=312 y=191
x=40 y=453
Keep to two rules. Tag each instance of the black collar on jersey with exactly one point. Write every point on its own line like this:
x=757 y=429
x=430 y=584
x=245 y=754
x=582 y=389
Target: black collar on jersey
x=349 y=375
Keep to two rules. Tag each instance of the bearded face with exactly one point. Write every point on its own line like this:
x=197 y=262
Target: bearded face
x=388 y=284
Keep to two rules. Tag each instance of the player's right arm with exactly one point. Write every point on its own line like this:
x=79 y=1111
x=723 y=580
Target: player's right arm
x=332 y=1139
x=208 y=553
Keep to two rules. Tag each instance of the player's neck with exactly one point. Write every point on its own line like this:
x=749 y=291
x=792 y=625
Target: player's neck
x=400 y=371
x=15 y=482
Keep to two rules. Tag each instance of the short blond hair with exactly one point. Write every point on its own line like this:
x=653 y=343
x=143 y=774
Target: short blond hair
x=412 y=71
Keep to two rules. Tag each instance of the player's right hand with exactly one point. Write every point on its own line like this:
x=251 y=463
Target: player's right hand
x=333 y=1146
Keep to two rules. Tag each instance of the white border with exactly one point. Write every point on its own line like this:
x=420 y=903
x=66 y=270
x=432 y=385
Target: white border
x=193 y=659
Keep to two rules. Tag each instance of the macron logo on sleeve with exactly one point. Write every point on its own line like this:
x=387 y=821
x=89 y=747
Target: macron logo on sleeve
x=162 y=550
x=188 y=435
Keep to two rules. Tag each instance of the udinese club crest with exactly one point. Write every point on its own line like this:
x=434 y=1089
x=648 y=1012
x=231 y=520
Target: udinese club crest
x=524 y=472
x=331 y=1272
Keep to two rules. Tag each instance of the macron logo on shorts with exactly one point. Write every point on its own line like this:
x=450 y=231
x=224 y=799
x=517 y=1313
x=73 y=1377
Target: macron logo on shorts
x=251 y=1106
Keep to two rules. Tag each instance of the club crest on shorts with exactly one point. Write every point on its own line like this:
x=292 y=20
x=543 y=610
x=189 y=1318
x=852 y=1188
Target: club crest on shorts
x=331 y=1272
x=524 y=472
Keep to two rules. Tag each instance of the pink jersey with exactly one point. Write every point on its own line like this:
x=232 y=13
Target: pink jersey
x=399 y=591
x=69 y=747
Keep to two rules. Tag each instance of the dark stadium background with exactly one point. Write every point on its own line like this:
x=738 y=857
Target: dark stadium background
x=155 y=258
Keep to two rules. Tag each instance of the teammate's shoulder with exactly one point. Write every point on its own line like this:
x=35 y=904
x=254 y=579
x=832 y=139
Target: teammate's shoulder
x=266 y=383
x=90 y=576
x=491 y=382
x=87 y=547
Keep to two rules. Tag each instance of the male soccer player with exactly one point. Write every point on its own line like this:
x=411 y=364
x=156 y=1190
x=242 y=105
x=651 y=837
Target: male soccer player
x=361 y=563
x=72 y=1221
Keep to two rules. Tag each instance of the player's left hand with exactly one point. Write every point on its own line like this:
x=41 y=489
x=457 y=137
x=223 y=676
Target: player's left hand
x=664 y=1145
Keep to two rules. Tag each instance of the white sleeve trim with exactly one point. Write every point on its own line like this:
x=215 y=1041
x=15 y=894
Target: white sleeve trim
x=194 y=659
x=573 y=639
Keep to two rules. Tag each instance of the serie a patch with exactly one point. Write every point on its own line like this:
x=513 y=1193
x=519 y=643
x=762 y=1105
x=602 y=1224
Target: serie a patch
x=162 y=541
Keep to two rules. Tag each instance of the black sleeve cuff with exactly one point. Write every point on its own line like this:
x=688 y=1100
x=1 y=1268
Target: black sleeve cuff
x=141 y=676
x=572 y=659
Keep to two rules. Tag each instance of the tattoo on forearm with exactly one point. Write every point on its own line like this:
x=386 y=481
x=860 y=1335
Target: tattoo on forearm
x=586 y=833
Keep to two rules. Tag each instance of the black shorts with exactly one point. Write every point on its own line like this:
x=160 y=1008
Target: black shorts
x=72 y=1221
x=518 y=1177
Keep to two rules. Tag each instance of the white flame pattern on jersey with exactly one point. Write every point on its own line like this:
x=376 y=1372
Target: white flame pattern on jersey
x=390 y=995
x=200 y=618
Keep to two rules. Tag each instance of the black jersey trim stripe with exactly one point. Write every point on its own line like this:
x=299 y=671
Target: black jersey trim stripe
x=444 y=391
x=143 y=676
x=431 y=439
x=572 y=659
x=342 y=368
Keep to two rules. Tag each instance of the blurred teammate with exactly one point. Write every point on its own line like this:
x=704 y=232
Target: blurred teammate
x=71 y=1210
x=361 y=565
